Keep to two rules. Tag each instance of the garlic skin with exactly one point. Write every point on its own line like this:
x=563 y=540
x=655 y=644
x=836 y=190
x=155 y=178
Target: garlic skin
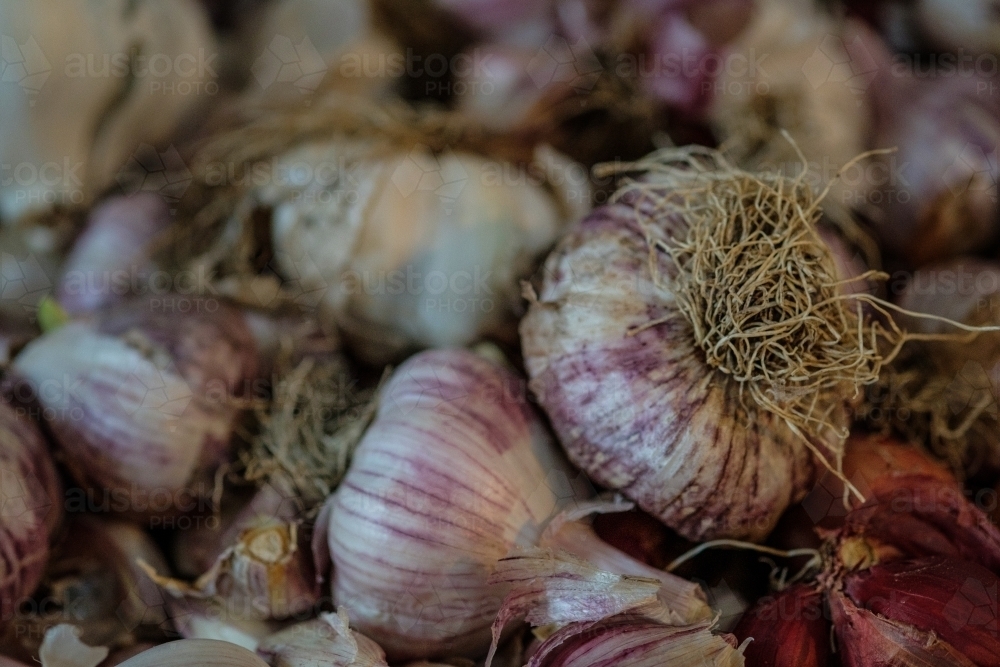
x=141 y=401
x=30 y=509
x=640 y=412
x=412 y=250
x=195 y=618
x=268 y=573
x=189 y=652
x=326 y=641
x=110 y=260
x=81 y=103
x=455 y=470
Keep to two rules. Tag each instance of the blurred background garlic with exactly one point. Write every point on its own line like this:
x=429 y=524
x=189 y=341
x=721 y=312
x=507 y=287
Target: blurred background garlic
x=30 y=509
x=188 y=652
x=111 y=259
x=143 y=402
x=130 y=72
x=416 y=249
x=455 y=470
x=94 y=582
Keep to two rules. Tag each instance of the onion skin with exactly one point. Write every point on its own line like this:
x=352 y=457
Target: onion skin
x=789 y=629
x=943 y=596
x=139 y=401
x=640 y=412
x=30 y=509
x=868 y=640
x=455 y=470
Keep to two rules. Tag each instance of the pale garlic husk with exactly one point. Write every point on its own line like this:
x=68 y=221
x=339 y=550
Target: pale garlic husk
x=455 y=470
x=592 y=616
x=406 y=249
x=143 y=401
x=62 y=647
x=83 y=104
x=268 y=572
x=327 y=641
x=205 y=618
x=30 y=508
x=110 y=260
x=636 y=407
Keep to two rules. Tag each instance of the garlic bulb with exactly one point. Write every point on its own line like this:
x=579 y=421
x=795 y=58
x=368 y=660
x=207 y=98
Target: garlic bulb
x=326 y=641
x=82 y=100
x=611 y=344
x=203 y=618
x=796 y=69
x=944 y=392
x=188 y=652
x=30 y=509
x=970 y=25
x=414 y=250
x=110 y=261
x=937 y=198
x=142 y=401
x=455 y=470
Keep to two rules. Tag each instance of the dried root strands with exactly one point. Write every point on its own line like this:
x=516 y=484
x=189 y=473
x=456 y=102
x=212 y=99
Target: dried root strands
x=693 y=348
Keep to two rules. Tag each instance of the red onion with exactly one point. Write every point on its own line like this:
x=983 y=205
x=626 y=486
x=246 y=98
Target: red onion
x=788 y=629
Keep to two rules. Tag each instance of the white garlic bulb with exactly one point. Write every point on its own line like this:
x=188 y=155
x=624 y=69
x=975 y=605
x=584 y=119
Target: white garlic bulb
x=413 y=250
x=142 y=401
x=87 y=85
x=455 y=470
x=30 y=509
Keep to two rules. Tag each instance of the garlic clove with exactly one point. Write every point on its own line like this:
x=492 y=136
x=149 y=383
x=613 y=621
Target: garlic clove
x=62 y=648
x=488 y=478
x=325 y=642
x=188 y=652
x=866 y=638
x=788 y=629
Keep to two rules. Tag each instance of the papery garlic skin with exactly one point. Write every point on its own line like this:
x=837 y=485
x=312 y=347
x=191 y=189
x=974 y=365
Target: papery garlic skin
x=455 y=470
x=30 y=509
x=326 y=641
x=415 y=250
x=81 y=102
x=639 y=411
x=141 y=400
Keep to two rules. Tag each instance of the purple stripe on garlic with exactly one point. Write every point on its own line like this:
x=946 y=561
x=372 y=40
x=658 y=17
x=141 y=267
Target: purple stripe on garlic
x=30 y=509
x=142 y=401
x=455 y=470
x=111 y=258
x=639 y=410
